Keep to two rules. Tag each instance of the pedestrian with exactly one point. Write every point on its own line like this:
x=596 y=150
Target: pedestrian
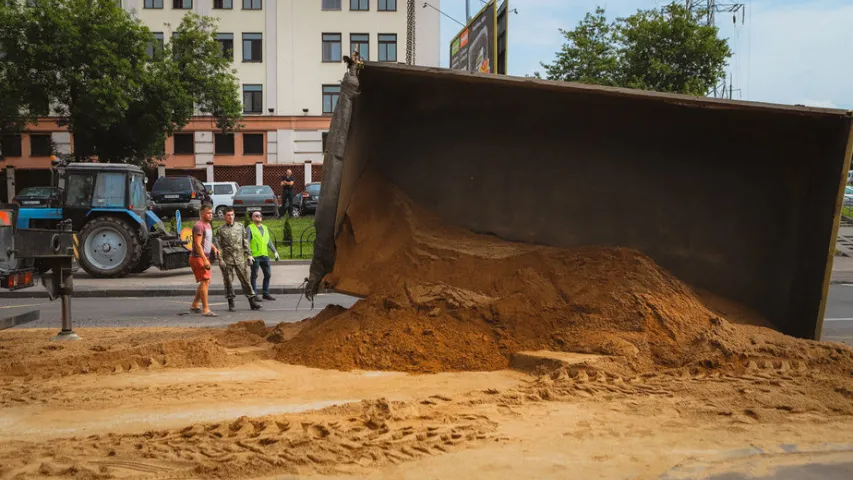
x=260 y=245
x=202 y=252
x=236 y=256
x=287 y=183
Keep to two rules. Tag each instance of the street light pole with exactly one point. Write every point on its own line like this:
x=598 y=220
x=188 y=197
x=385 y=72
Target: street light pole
x=467 y=11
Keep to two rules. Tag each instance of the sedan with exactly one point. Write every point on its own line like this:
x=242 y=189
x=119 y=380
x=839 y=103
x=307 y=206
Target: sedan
x=256 y=198
x=37 y=197
x=306 y=202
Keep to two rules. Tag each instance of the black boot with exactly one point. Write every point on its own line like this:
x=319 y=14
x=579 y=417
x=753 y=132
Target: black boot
x=253 y=304
x=231 y=305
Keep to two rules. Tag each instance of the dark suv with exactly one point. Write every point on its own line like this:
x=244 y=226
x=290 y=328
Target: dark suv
x=185 y=194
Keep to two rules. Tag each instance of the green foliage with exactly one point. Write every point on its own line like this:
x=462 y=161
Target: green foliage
x=88 y=57
x=288 y=231
x=590 y=54
x=667 y=50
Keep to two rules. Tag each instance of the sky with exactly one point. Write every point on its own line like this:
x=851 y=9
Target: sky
x=785 y=51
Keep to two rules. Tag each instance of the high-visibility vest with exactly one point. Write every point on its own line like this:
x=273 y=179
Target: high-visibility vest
x=259 y=241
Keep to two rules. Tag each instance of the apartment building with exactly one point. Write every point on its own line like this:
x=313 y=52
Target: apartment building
x=288 y=58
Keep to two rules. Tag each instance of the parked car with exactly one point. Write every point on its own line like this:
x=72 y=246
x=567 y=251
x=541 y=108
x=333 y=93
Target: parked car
x=222 y=195
x=37 y=197
x=256 y=197
x=850 y=176
x=184 y=194
x=306 y=202
x=848 y=196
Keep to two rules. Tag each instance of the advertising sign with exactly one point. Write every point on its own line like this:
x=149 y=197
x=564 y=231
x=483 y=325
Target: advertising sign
x=474 y=49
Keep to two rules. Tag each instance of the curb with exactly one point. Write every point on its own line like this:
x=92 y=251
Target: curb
x=142 y=292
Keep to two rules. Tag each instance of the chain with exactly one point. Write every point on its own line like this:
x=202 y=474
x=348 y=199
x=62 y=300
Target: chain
x=410 y=32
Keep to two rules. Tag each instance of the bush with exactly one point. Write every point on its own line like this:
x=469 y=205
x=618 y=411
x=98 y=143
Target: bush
x=288 y=231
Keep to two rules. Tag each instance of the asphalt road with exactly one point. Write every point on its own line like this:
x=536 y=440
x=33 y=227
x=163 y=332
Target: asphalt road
x=174 y=312
x=838 y=317
x=167 y=311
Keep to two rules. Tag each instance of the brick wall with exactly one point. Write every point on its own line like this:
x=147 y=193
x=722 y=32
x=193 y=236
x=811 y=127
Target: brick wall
x=178 y=172
x=273 y=174
x=242 y=174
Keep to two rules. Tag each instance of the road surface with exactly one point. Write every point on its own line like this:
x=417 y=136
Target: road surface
x=168 y=311
x=174 y=312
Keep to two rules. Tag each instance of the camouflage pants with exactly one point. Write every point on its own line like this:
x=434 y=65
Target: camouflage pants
x=228 y=271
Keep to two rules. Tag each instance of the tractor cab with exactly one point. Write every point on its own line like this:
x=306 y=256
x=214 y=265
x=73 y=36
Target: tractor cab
x=90 y=188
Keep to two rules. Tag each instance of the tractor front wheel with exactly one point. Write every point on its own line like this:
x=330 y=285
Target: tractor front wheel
x=111 y=247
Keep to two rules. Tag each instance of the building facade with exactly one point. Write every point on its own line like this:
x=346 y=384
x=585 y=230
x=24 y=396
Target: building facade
x=288 y=59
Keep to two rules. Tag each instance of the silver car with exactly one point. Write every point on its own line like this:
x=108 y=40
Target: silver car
x=256 y=198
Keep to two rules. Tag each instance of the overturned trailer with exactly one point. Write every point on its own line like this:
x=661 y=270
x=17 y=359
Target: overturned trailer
x=738 y=198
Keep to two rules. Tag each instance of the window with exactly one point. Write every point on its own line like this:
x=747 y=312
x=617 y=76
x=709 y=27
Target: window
x=387 y=47
x=387 y=5
x=156 y=47
x=222 y=5
x=153 y=4
x=184 y=144
x=252 y=43
x=360 y=42
x=10 y=146
x=40 y=145
x=331 y=47
x=109 y=190
x=253 y=99
x=226 y=45
x=359 y=4
x=78 y=187
x=253 y=144
x=331 y=94
x=325 y=136
x=224 y=143
x=182 y=4
x=252 y=4
x=331 y=4
x=223 y=189
x=137 y=192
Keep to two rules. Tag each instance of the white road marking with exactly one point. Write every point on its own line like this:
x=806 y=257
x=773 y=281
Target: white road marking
x=838 y=319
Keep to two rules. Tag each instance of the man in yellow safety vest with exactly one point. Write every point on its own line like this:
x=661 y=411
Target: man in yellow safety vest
x=261 y=244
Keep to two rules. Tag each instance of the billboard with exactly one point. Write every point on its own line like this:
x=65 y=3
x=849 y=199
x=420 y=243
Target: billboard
x=475 y=48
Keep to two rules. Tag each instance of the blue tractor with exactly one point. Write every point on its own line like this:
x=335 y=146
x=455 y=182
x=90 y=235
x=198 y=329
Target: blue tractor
x=108 y=208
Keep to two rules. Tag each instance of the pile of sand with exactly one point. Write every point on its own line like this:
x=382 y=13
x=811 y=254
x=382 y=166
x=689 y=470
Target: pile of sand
x=440 y=298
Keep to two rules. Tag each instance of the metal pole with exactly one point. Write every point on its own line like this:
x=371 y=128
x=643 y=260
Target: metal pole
x=65 y=288
x=467 y=11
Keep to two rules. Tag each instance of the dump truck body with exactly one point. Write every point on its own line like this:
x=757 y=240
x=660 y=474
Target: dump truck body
x=741 y=199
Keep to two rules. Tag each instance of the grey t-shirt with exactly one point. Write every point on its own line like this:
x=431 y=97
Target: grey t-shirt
x=203 y=229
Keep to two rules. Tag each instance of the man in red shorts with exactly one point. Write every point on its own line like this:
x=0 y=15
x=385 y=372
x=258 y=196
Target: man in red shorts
x=203 y=252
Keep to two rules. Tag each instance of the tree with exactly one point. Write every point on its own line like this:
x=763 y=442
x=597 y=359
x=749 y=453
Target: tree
x=589 y=54
x=91 y=64
x=666 y=50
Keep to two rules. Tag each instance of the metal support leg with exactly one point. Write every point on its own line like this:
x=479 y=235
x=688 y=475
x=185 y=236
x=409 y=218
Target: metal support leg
x=66 y=286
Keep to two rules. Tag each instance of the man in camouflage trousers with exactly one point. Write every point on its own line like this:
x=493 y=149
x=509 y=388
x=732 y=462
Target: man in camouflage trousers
x=234 y=258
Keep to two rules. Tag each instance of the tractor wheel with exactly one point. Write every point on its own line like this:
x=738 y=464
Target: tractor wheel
x=144 y=262
x=110 y=247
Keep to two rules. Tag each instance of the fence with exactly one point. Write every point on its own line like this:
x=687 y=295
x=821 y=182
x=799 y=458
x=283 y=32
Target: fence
x=241 y=174
x=301 y=248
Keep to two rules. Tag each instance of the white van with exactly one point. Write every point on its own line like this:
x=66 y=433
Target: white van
x=222 y=194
